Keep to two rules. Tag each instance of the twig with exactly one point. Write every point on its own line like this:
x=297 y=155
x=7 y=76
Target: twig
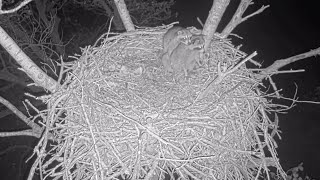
x=35 y=127
x=222 y=75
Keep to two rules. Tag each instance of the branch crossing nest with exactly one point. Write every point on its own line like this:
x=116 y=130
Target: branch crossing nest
x=126 y=118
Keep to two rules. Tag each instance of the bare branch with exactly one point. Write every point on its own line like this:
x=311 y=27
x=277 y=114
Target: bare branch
x=255 y=13
x=237 y=17
x=28 y=132
x=35 y=127
x=200 y=22
x=222 y=74
x=274 y=68
x=23 y=3
x=30 y=68
x=124 y=14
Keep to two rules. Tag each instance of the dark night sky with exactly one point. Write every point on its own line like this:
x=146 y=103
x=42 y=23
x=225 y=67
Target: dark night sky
x=285 y=29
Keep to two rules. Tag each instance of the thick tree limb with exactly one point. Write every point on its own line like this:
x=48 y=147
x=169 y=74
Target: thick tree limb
x=212 y=22
x=124 y=14
x=30 y=68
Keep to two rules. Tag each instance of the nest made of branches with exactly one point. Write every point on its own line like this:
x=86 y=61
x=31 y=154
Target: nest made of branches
x=125 y=117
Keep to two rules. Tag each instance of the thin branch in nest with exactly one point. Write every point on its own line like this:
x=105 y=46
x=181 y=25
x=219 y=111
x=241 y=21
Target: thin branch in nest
x=221 y=75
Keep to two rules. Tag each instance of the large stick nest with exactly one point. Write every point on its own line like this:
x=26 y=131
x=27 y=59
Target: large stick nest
x=125 y=117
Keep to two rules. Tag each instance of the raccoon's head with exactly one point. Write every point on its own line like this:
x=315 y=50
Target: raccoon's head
x=184 y=36
x=197 y=41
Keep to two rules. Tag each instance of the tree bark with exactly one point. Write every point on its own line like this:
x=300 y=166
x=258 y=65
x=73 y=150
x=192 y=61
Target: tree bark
x=29 y=67
x=217 y=10
x=124 y=14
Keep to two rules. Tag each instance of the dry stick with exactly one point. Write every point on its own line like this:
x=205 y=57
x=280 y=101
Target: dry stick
x=271 y=161
x=44 y=139
x=36 y=129
x=137 y=162
x=218 y=79
x=138 y=124
x=40 y=154
x=21 y=5
x=225 y=93
x=91 y=131
x=259 y=143
x=266 y=135
x=200 y=22
x=222 y=75
x=104 y=34
x=274 y=86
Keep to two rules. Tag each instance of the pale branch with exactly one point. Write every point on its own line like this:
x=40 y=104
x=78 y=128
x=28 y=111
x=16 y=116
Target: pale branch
x=274 y=86
x=215 y=14
x=290 y=71
x=124 y=14
x=104 y=34
x=22 y=4
x=274 y=68
x=35 y=127
x=29 y=67
x=28 y=132
x=302 y=101
x=8 y=112
x=222 y=73
x=255 y=13
x=237 y=17
x=200 y=22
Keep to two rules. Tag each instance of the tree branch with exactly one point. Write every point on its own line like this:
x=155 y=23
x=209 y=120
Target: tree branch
x=29 y=67
x=237 y=17
x=23 y=3
x=274 y=68
x=212 y=22
x=124 y=14
x=28 y=132
x=36 y=129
